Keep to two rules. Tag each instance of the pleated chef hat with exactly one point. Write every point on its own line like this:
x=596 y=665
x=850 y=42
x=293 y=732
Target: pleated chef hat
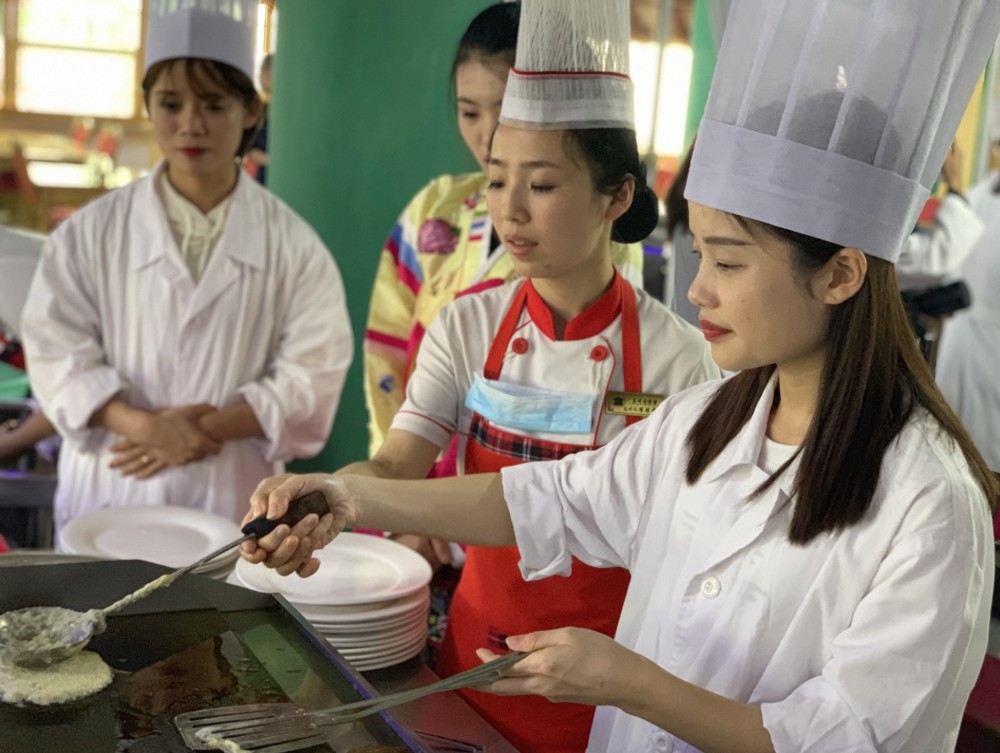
x=571 y=68
x=221 y=30
x=832 y=117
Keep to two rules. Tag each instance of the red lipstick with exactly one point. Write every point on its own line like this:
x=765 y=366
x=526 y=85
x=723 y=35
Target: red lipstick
x=712 y=331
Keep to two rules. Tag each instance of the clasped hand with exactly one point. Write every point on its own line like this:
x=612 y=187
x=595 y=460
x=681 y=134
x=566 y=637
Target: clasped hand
x=171 y=436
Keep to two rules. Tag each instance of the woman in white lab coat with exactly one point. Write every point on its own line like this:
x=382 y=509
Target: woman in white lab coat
x=187 y=333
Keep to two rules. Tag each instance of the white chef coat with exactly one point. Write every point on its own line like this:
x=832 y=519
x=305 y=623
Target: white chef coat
x=674 y=356
x=934 y=255
x=866 y=640
x=969 y=354
x=113 y=309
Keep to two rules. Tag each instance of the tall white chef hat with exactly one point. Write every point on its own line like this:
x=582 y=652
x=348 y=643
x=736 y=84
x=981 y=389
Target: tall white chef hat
x=832 y=118
x=571 y=69
x=221 y=30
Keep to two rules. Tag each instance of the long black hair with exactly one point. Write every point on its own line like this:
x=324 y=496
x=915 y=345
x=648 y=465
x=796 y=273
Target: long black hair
x=492 y=35
x=873 y=378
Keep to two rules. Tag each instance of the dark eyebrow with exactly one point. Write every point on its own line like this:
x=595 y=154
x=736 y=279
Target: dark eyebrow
x=721 y=240
x=467 y=101
x=531 y=164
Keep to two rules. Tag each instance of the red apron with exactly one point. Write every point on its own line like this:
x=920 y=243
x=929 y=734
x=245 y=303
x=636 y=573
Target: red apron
x=493 y=601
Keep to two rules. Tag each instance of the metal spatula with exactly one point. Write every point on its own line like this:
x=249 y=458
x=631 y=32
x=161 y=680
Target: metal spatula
x=284 y=727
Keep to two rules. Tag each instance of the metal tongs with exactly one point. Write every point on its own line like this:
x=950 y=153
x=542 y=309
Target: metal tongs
x=283 y=727
x=40 y=636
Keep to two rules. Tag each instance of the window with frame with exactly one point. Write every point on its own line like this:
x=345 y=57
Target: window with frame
x=79 y=57
x=73 y=57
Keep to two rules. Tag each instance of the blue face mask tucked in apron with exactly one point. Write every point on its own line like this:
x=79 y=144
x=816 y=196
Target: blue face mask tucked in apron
x=516 y=406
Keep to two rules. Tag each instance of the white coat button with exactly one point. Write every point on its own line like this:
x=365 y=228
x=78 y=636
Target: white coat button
x=664 y=743
x=710 y=587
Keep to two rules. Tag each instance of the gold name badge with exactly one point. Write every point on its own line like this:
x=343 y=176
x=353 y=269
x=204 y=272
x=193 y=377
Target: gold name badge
x=632 y=403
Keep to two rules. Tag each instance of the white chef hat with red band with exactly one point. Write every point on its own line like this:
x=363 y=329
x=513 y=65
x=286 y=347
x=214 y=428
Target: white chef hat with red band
x=572 y=67
x=832 y=117
x=220 y=30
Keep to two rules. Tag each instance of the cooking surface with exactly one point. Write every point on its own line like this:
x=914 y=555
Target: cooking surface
x=196 y=644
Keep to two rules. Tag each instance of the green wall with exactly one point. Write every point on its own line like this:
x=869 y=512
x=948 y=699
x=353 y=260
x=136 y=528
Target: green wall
x=361 y=119
x=702 y=68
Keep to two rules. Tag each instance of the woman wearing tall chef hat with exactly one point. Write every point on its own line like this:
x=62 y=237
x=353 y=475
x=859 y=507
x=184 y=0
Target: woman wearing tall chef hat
x=809 y=541
x=550 y=365
x=187 y=333
x=444 y=243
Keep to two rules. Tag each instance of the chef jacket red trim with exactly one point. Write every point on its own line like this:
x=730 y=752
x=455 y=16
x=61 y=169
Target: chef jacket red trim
x=591 y=322
x=618 y=299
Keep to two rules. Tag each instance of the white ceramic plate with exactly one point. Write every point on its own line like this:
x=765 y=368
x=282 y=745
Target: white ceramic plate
x=385 y=625
x=355 y=569
x=317 y=611
x=359 y=638
x=377 y=643
x=168 y=536
x=387 y=660
x=363 y=653
x=361 y=617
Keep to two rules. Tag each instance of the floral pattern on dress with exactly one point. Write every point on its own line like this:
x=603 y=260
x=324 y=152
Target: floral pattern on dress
x=437 y=237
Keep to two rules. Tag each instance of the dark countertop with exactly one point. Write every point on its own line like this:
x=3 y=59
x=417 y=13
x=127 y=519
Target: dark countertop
x=443 y=714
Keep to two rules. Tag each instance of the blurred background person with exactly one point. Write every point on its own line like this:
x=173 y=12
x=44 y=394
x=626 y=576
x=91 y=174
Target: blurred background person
x=256 y=158
x=969 y=355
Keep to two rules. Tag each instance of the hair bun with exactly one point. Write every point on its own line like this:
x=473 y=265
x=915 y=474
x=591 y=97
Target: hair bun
x=640 y=219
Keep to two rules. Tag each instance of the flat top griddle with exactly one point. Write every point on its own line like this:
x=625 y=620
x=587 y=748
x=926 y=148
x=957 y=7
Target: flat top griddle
x=197 y=644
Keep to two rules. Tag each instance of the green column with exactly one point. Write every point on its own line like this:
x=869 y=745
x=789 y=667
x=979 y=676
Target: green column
x=702 y=68
x=361 y=119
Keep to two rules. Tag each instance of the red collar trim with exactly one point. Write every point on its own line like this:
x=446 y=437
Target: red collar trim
x=590 y=322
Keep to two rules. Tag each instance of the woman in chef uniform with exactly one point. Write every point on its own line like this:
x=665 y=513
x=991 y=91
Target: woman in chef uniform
x=809 y=540
x=444 y=242
x=187 y=333
x=545 y=367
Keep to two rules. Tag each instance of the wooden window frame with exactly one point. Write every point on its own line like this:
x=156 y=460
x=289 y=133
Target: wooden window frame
x=14 y=119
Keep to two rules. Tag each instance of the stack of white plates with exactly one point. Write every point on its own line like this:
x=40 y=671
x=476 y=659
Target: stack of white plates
x=168 y=536
x=369 y=598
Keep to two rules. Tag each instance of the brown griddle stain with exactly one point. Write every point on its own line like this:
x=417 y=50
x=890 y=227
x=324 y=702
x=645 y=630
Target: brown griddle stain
x=215 y=672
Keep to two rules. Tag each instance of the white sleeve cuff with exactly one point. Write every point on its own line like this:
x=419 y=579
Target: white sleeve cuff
x=541 y=536
x=80 y=398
